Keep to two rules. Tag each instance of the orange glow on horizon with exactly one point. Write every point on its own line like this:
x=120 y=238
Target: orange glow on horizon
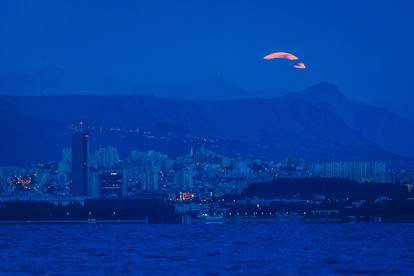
x=281 y=55
x=300 y=65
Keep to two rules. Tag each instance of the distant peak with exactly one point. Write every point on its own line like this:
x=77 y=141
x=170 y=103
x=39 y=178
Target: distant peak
x=322 y=92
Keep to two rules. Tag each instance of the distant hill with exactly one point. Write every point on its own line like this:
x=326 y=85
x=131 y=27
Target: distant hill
x=379 y=125
x=316 y=124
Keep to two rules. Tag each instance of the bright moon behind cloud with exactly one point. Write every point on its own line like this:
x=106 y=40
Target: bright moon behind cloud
x=281 y=55
x=299 y=65
x=288 y=56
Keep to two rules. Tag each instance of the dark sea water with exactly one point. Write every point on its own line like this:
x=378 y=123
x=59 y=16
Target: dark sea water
x=277 y=249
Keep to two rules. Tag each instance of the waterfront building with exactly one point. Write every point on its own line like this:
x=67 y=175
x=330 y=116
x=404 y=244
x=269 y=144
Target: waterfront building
x=184 y=179
x=111 y=185
x=105 y=157
x=361 y=171
x=67 y=155
x=151 y=181
x=80 y=151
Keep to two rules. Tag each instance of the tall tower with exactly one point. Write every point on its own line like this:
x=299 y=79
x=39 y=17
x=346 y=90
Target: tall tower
x=80 y=167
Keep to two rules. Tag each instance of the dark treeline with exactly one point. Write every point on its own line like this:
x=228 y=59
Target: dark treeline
x=336 y=188
x=157 y=211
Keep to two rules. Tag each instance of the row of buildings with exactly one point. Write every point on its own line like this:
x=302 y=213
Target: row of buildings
x=361 y=171
x=103 y=174
x=201 y=172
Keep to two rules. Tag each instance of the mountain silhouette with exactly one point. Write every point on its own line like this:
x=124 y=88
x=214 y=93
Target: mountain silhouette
x=318 y=123
x=384 y=128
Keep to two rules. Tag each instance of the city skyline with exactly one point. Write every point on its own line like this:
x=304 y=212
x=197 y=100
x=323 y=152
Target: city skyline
x=103 y=174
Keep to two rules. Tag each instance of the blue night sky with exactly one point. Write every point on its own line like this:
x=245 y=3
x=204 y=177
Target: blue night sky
x=364 y=47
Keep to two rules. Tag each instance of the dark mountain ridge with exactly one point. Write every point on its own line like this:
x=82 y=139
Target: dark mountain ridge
x=316 y=124
x=379 y=125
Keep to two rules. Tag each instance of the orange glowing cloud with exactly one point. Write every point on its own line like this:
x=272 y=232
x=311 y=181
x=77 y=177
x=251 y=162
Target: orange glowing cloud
x=299 y=65
x=281 y=55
